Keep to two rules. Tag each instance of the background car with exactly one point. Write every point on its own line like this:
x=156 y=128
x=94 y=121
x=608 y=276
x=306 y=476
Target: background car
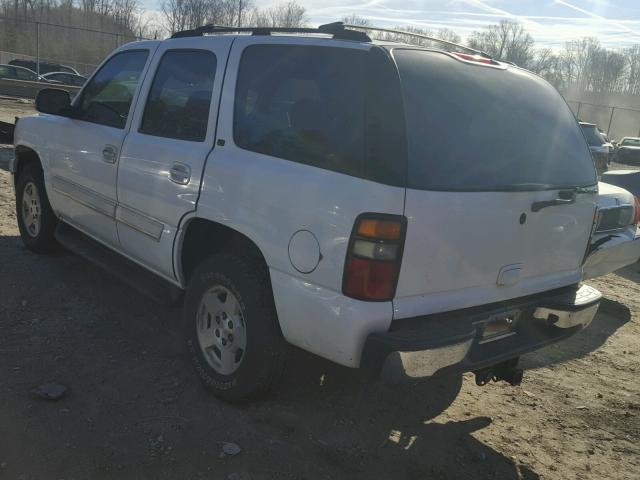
x=629 y=151
x=598 y=145
x=45 y=67
x=616 y=239
x=65 y=78
x=19 y=73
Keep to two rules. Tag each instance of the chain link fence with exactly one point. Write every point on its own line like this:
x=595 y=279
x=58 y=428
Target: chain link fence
x=48 y=45
x=617 y=121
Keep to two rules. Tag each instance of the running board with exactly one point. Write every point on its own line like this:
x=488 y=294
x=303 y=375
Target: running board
x=137 y=277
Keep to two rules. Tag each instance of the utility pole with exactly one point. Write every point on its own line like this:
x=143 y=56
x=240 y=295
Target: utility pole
x=613 y=109
x=38 y=48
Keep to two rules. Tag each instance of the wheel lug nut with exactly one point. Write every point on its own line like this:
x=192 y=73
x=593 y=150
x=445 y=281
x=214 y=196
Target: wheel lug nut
x=224 y=315
x=230 y=337
x=224 y=341
x=218 y=319
x=217 y=333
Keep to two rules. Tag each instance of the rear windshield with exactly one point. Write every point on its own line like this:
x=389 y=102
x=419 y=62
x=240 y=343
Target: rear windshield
x=480 y=128
x=631 y=142
x=593 y=136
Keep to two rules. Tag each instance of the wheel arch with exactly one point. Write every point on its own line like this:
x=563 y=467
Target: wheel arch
x=199 y=238
x=23 y=156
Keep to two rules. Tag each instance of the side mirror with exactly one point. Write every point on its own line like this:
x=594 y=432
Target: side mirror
x=54 y=101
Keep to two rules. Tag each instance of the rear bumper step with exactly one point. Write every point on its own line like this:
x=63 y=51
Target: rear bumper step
x=476 y=339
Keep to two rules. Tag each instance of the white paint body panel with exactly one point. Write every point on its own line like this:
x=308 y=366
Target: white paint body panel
x=143 y=175
x=456 y=245
x=458 y=242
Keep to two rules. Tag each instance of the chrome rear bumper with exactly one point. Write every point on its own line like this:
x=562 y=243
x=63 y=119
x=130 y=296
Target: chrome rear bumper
x=424 y=346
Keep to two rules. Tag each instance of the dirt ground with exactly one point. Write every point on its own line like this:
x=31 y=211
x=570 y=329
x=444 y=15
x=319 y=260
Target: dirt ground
x=12 y=107
x=135 y=410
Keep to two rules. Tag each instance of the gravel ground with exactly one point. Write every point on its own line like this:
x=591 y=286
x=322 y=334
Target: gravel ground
x=135 y=410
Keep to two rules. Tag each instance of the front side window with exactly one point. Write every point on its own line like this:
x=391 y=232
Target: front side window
x=303 y=103
x=23 y=74
x=107 y=98
x=180 y=96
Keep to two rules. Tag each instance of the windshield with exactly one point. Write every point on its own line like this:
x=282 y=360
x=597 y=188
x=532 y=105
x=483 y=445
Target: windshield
x=480 y=128
x=631 y=142
x=594 y=139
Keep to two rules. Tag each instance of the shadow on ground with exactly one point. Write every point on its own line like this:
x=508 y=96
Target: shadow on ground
x=610 y=317
x=136 y=410
x=6 y=155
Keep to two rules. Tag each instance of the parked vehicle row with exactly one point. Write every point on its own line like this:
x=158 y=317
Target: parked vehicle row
x=312 y=190
x=628 y=151
x=15 y=72
x=43 y=67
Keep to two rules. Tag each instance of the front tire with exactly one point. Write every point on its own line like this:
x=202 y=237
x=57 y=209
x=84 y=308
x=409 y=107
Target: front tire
x=36 y=220
x=231 y=328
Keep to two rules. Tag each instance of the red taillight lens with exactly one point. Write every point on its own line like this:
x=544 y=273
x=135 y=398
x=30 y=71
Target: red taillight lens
x=473 y=58
x=374 y=256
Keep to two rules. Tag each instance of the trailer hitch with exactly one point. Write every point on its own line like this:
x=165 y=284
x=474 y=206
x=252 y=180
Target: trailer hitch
x=505 y=371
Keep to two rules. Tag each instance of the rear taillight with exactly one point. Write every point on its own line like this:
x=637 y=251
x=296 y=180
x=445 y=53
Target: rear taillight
x=374 y=256
x=636 y=218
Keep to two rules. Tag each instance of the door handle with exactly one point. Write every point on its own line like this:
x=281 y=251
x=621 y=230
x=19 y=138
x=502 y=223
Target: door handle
x=110 y=154
x=180 y=173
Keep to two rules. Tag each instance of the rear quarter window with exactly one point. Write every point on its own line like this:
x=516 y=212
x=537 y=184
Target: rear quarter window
x=334 y=108
x=479 y=128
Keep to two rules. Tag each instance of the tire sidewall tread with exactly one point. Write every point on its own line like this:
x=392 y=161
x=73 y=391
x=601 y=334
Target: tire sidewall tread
x=45 y=241
x=266 y=349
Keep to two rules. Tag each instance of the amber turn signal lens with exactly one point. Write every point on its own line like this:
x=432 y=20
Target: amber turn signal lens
x=380 y=229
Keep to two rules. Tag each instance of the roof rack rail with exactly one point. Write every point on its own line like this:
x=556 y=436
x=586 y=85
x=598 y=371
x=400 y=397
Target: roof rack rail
x=419 y=35
x=336 y=29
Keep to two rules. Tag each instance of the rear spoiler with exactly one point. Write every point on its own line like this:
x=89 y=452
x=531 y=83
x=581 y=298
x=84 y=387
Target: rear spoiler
x=6 y=132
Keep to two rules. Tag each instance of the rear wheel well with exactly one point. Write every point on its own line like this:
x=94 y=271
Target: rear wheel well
x=204 y=238
x=25 y=155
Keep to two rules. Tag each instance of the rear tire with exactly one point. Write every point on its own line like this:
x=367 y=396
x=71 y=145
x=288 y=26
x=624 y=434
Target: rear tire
x=231 y=328
x=36 y=220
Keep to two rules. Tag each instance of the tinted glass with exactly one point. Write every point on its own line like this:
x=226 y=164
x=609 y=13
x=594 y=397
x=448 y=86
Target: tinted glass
x=7 y=72
x=631 y=142
x=180 y=96
x=479 y=128
x=23 y=74
x=592 y=135
x=304 y=104
x=107 y=98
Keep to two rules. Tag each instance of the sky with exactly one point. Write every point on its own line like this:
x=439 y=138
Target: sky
x=616 y=23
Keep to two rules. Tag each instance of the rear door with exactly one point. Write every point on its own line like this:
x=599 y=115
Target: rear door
x=501 y=185
x=163 y=156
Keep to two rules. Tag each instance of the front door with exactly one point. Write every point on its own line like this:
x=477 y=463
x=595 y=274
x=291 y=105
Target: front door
x=163 y=156
x=84 y=156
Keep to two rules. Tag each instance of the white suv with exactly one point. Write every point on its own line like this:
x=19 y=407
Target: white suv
x=374 y=203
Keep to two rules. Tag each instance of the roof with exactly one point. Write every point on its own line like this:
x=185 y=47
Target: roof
x=335 y=30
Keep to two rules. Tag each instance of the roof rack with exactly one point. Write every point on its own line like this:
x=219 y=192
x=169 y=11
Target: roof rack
x=336 y=29
x=418 y=35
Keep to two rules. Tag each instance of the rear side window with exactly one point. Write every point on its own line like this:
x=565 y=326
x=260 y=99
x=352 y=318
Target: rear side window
x=7 y=72
x=479 y=128
x=180 y=97
x=303 y=103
